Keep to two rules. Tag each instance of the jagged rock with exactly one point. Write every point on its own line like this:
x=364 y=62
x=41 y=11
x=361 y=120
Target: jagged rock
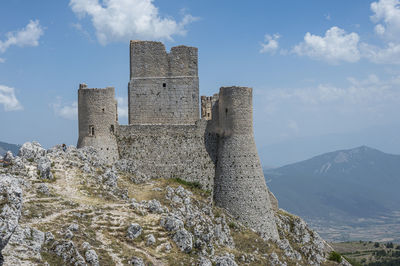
x=136 y=261
x=10 y=207
x=43 y=189
x=171 y=223
x=274 y=260
x=68 y=234
x=49 y=237
x=288 y=250
x=8 y=157
x=134 y=231
x=150 y=240
x=31 y=151
x=44 y=168
x=226 y=260
x=204 y=262
x=273 y=201
x=68 y=252
x=154 y=206
x=183 y=240
x=110 y=178
x=86 y=246
x=29 y=242
x=73 y=227
x=91 y=257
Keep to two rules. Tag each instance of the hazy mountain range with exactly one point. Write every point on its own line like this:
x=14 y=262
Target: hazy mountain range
x=359 y=187
x=4 y=147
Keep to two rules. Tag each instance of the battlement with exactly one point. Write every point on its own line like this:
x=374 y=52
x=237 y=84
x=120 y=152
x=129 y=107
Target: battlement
x=208 y=104
x=163 y=87
x=150 y=59
x=105 y=92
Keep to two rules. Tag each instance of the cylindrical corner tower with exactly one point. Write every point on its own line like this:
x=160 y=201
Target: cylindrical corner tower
x=239 y=182
x=98 y=120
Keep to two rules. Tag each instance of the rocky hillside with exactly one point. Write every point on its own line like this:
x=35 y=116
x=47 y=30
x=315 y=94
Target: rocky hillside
x=71 y=208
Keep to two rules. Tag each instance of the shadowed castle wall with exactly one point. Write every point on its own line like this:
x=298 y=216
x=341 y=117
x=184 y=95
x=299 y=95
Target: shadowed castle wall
x=163 y=87
x=97 y=111
x=184 y=151
x=239 y=181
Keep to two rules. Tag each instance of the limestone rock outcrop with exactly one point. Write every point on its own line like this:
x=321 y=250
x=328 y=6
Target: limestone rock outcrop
x=93 y=214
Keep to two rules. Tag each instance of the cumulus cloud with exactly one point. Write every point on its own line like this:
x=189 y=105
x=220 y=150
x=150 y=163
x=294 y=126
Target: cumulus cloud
x=8 y=99
x=122 y=106
x=67 y=111
x=28 y=36
x=2 y=60
x=334 y=47
x=387 y=14
x=120 y=20
x=270 y=44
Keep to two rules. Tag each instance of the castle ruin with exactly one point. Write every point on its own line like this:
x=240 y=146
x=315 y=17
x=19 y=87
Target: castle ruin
x=168 y=137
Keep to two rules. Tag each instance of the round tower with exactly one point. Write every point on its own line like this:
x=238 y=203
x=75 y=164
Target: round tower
x=98 y=120
x=239 y=182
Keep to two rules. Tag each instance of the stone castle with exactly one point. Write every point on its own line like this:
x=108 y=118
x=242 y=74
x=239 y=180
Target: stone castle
x=167 y=137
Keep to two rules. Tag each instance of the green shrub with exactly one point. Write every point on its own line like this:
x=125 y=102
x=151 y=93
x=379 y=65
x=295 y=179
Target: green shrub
x=196 y=185
x=334 y=256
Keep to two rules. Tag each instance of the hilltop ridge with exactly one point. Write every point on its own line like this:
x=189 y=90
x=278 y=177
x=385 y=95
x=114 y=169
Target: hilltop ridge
x=357 y=189
x=75 y=208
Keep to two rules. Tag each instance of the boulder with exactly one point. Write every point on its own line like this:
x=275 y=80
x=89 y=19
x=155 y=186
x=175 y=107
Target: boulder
x=10 y=209
x=136 y=261
x=171 y=223
x=44 y=168
x=31 y=151
x=183 y=239
x=134 y=231
x=150 y=240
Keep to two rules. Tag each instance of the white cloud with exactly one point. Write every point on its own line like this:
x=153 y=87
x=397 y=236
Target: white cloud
x=334 y=47
x=65 y=111
x=122 y=106
x=120 y=20
x=387 y=13
x=2 y=60
x=390 y=54
x=28 y=36
x=270 y=44
x=8 y=99
x=370 y=94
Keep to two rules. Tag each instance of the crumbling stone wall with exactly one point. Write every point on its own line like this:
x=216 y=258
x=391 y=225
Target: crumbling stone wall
x=163 y=87
x=239 y=181
x=181 y=151
x=98 y=120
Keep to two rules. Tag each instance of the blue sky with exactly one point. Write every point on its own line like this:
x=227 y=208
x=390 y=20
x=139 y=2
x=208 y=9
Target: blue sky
x=325 y=74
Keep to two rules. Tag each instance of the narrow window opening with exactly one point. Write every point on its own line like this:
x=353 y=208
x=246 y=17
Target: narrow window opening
x=226 y=111
x=208 y=114
x=102 y=110
x=164 y=85
x=112 y=128
x=91 y=130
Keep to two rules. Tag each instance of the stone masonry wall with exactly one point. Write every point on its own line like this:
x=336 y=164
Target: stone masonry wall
x=170 y=101
x=163 y=87
x=98 y=121
x=239 y=181
x=186 y=151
